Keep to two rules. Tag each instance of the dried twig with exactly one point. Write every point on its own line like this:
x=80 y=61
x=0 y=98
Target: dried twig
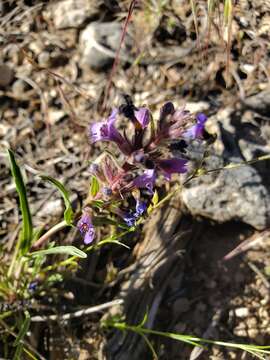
x=78 y=313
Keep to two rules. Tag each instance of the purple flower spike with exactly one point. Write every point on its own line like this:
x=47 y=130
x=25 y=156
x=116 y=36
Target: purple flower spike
x=147 y=180
x=196 y=131
x=172 y=166
x=143 y=116
x=86 y=227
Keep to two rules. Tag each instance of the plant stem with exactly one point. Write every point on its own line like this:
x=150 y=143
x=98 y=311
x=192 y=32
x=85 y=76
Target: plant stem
x=45 y=237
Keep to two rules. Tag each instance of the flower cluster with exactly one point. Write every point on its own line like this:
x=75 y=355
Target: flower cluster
x=147 y=149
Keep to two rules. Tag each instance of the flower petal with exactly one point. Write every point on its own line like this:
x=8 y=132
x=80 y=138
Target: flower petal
x=171 y=166
x=89 y=236
x=86 y=227
x=140 y=208
x=196 y=131
x=143 y=116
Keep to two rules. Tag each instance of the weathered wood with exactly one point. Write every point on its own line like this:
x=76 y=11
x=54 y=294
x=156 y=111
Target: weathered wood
x=157 y=259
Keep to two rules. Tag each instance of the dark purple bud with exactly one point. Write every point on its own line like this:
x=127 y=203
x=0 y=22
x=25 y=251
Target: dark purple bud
x=107 y=191
x=167 y=109
x=86 y=227
x=33 y=286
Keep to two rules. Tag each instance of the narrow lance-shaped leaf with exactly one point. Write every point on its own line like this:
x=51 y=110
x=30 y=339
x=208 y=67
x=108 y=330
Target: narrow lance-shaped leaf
x=27 y=227
x=94 y=187
x=68 y=214
x=23 y=329
x=68 y=250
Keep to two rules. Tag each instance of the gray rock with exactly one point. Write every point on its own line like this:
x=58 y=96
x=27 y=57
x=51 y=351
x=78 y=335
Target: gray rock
x=99 y=43
x=72 y=13
x=234 y=194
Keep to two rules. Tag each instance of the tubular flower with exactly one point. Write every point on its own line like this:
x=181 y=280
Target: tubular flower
x=196 y=131
x=140 y=208
x=106 y=131
x=146 y=180
x=86 y=227
x=172 y=166
x=131 y=217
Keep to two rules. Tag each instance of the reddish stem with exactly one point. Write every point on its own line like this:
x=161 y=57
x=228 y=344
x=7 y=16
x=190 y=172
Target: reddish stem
x=117 y=57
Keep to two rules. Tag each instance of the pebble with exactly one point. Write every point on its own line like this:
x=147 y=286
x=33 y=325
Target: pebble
x=44 y=59
x=241 y=312
x=52 y=208
x=19 y=87
x=72 y=13
x=6 y=75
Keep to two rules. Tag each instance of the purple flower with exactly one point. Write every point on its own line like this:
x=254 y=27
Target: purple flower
x=143 y=116
x=106 y=131
x=196 y=131
x=147 y=180
x=140 y=208
x=171 y=166
x=33 y=286
x=129 y=219
x=86 y=227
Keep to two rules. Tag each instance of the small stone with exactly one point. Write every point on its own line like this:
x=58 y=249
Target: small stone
x=6 y=75
x=19 y=87
x=72 y=13
x=52 y=208
x=197 y=106
x=44 y=59
x=253 y=333
x=242 y=312
x=180 y=327
x=55 y=115
x=99 y=43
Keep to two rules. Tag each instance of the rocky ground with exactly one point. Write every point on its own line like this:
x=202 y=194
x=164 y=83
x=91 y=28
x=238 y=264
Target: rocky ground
x=55 y=63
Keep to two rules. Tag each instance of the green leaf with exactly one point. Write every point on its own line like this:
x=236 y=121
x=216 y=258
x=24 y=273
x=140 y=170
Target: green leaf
x=23 y=329
x=68 y=250
x=27 y=227
x=94 y=187
x=155 y=198
x=68 y=214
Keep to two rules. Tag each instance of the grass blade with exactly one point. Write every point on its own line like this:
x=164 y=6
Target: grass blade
x=68 y=214
x=27 y=227
x=23 y=330
x=68 y=250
